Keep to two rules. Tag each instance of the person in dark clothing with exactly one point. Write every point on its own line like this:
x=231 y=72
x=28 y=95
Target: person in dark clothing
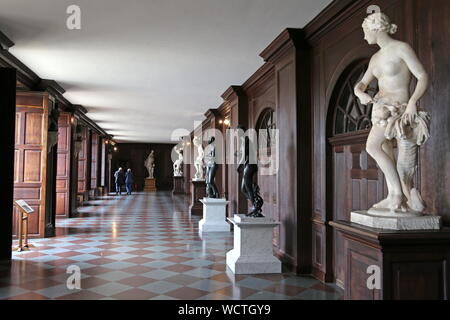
x=129 y=180
x=119 y=179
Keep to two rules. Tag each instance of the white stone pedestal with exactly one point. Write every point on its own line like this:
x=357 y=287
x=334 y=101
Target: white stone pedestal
x=384 y=219
x=253 y=248
x=214 y=216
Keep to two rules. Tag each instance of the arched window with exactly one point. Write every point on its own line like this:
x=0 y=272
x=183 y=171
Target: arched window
x=349 y=114
x=265 y=127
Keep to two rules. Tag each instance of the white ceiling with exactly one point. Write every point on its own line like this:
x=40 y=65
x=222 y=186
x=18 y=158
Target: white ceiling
x=144 y=68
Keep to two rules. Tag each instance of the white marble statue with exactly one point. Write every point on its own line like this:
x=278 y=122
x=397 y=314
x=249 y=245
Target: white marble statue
x=198 y=163
x=150 y=164
x=177 y=165
x=394 y=114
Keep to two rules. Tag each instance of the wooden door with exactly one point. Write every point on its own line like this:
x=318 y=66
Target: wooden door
x=63 y=165
x=82 y=162
x=31 y=158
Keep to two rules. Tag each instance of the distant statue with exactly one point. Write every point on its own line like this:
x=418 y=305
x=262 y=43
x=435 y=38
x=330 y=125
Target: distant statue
x=198 y=163
x=211 y=170
x=177 y=165
x=150 y=164
x=248 y=187
x=394 y=113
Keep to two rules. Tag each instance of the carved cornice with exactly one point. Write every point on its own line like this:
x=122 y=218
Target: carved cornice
x=260 y=76
x=334 y=14
x=212 y=113
x=232 y=93
x=224 y=109
x=286 y=40
x=5 y=42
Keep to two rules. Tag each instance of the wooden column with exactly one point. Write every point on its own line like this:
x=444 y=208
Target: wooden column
x=237 y=103
x=7 y=129
x=289 y=55
x=83 y=164
x=63 y=171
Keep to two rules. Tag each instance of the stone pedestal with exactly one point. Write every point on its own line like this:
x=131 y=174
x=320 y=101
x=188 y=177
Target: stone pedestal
x=150 y=185
x=214 y=216
x=198 y=191
x=178 y=185
x=253 y=248
x=394 y=265
x=384 y=219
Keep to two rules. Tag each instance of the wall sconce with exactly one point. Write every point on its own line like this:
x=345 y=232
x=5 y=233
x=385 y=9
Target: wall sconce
x=72 y=119
x=106 y=142
x=225 y=122
x=115 y=149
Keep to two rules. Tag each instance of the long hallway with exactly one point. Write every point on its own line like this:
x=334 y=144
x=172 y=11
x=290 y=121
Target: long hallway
x=144 y=246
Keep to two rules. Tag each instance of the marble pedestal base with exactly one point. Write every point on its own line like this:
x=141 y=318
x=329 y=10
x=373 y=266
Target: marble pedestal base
x=253 y=248
x=214 y=216
x=383 y=219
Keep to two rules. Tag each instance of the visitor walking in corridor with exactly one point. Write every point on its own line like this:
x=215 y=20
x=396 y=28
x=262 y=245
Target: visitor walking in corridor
x=119 y=179
x=129 y=181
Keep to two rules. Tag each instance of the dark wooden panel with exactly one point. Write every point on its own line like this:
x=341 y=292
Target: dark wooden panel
x=31 y=157
x=8 y=134
x=63 y=165
x=82 y=161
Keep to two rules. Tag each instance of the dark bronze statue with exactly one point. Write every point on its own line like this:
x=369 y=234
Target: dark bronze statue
x=211 y=170
x=248 y=187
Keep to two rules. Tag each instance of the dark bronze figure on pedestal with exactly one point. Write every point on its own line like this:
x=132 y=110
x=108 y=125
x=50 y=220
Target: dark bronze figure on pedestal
x=211 y=170
x=248 y=187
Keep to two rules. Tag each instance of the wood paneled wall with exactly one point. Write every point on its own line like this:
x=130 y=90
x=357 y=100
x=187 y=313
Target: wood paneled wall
x=337 y=42
x=133 y=155
x=30 y=170
x=63 y=171
x=83 y=162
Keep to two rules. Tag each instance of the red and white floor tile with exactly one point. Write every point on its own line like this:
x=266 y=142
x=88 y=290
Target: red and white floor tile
x=144 y=246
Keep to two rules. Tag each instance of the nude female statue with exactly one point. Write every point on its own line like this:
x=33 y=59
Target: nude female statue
x=394 y=113
x=150 y=164
x=211 y=170
x=198 y=163
x=177 y=169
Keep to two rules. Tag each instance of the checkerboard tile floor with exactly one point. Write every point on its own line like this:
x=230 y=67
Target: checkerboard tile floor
x=144 y=246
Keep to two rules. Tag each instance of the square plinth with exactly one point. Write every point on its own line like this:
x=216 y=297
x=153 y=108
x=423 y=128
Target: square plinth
x=214 y=215
x=253 y=248
x=397 y=222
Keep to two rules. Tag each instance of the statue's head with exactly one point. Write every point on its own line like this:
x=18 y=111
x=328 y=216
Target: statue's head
x=375 y=24
x=152 y=152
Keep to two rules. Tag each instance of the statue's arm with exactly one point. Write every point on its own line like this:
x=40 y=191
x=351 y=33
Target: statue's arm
x=415 y=66
x=361 y=87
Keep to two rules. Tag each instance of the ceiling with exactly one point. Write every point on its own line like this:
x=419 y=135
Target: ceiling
x=147 y=70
